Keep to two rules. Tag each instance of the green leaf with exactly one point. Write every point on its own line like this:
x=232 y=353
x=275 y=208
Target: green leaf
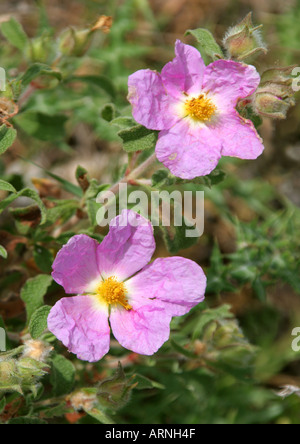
x=123 y=122
x=33 y=293
x=7 y=138
x=162 y=178
x=175 y=237
x=144 y=383
x=63 y=211
x=31 y=194
x=214 y=314
x=38 y=321
x=42 y=126
x=15 y=34
x=207 y=43
x=108 y=112
x=62 y=375
x=43 y=258
x=214 y=178
x=66 y=185
x=100 y=416
x=5 y=186
x=36 y=70
x=138 y=138
x=92 y=209
x=3 y=252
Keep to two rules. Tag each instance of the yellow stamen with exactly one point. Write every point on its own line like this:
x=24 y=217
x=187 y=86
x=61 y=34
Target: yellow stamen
x=200 y=108
x=113 y=292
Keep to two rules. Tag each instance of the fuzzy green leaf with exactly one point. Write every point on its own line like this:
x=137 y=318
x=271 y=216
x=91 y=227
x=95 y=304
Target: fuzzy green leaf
x=15 y=34
x=5 y=186
x=207 y=43
x=36 y=70
x=138 y=138
x=31 y=194
x=38 y=321
x=62 y=375
x=7 y=138
x=3 y=252
x=33 y=293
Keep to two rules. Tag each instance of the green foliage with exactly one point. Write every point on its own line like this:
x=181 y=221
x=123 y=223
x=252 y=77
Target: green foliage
x=42 y=126
x=26 y=192
x=38 y=321
x=7 y=137
x=62 y=375
x=33 y=293
x=6 y=186
x=14 y=33
x=36 y=70
x=208 y=45
x=3 y=252
x=138 y=138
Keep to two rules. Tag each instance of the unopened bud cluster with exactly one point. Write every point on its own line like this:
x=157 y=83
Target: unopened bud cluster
x=22 y=368
x=73 y=42
x=243 y=42
x=275 y=94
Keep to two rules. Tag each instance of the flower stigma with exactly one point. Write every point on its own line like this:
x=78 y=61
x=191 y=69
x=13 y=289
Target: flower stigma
x=113 y=292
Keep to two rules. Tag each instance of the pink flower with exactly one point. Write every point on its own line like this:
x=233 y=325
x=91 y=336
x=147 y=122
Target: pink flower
x=193 y=107
x=140 y=306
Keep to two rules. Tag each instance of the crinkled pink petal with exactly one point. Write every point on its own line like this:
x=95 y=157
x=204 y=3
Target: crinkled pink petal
x=185 y=73
x=151 y=105
x=229 y=81
x=189 y=152
x=239 y=138
x=176 y=283
x=143 y=330
x=127 y=248
x=75 y=266
x=82 y=326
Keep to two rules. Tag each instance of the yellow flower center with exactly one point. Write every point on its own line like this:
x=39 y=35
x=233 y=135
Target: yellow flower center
x=200 y=108
x=113 y=292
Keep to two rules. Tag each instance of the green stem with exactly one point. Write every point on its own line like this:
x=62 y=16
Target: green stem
x=135 y=174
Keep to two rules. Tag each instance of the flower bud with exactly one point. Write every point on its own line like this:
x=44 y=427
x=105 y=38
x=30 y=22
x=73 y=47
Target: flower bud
x=244 y=41
x=37 y=350
x=83 y=399
x=9 y=378
x=76 y=43
x=30 y=370
x=115 y=392
x=278 y=75
x=275 y=94
x=39 y=49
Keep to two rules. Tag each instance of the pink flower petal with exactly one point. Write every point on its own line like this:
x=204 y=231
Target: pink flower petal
x=185 y=73
x=75 y=266
x=175 y=283
x=240 y=138
x=81 y=323
x=127 y=248
x=151 y=105
x=189 y=152
x=229 y=81
x=143 y=330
